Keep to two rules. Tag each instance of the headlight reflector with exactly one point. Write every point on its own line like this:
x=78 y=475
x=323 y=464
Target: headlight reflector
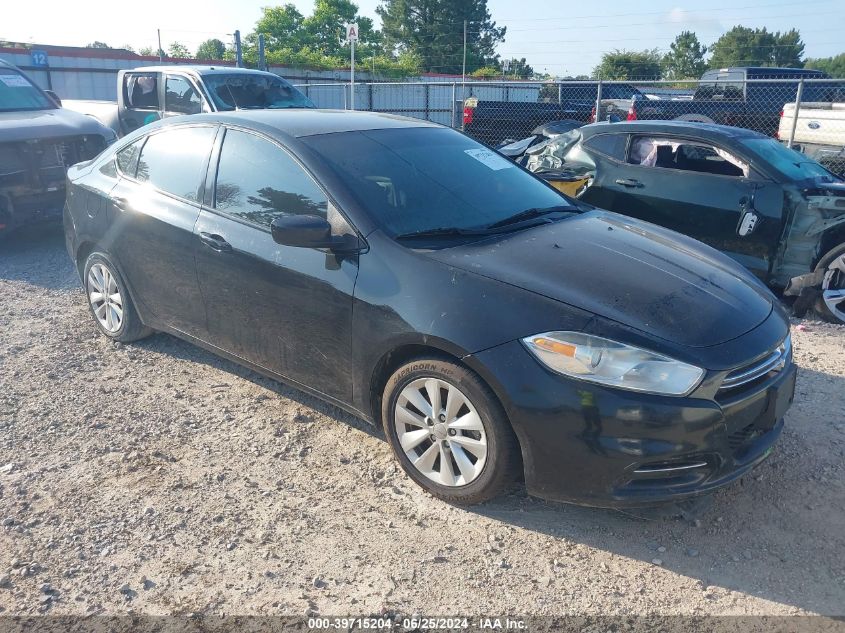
x=607 y=362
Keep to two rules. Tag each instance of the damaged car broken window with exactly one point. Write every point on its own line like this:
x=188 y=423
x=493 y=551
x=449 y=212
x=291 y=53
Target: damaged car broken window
x=686 y=156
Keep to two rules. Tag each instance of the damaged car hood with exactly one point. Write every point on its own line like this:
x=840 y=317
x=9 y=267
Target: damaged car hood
x=42 y=124
x=635 y=273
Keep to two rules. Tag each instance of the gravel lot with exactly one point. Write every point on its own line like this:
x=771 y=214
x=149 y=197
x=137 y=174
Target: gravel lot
x=157 y=478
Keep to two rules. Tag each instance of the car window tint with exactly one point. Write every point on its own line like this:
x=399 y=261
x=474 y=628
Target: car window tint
x=258 y=181
x=180 y=96
x=142 y=91
x=173 y=160
x=612 y=145
x=127 y=158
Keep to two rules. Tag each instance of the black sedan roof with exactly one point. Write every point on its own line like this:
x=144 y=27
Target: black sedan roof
x=700 y=130
x=309 y=122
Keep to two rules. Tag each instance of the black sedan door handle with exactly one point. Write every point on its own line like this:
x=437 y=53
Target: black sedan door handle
x=216 y=242
x=628 y=182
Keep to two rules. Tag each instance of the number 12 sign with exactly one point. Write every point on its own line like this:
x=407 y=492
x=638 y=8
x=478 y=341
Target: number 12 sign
x=39 y=58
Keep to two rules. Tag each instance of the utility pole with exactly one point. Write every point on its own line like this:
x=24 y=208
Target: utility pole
x=261 y=64
x=464 y=71
x=160 y=52
x=352 y=37
x=239 y=54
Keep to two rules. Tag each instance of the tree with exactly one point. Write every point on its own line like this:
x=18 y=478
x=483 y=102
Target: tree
x=315 y=40
x=211 y=49
x=97 y=44
x=147 y=51
x=833 y=66
x=517 y=68
x=434 y=31
x=743 y=46
x=324 y=29
x=629 y=65
x=178 y=50
x=685 y=59
x=128 y=47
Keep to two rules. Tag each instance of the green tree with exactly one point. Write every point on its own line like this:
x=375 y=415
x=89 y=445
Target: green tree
x=97 y=44
x=743 y=46
x=685 y=59
x=291 y=38
x=621 y=64
x=433 y=30
x=146 y=51
x=324 y=29
x=178 y=50
x=517 y=68
x=211 y=49
x=833 y=66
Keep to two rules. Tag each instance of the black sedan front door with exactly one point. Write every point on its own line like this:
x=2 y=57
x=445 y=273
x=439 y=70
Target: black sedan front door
x=698 y=190
x=285 y=309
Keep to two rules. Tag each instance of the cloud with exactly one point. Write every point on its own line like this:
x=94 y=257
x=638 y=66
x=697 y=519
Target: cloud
x=692 y=20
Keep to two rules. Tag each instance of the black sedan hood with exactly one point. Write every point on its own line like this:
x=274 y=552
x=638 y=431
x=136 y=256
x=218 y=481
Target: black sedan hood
x=652 y=279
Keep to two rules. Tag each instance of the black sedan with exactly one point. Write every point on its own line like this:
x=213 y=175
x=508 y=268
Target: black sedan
x=421 y=281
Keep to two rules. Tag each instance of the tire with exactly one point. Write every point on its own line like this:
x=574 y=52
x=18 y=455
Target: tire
x=833 y=260
x=113 y=310
x=476 y=439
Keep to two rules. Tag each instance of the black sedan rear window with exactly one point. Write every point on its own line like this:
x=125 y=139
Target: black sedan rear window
x=417 y=179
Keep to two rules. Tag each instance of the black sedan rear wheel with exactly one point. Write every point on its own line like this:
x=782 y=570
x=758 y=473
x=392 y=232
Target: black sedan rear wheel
x=448 y=431
x=109 y=301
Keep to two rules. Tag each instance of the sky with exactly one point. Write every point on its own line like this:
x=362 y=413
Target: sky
x=553 y=35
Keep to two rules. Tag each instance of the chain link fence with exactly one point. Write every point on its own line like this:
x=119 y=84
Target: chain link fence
x=807 y=114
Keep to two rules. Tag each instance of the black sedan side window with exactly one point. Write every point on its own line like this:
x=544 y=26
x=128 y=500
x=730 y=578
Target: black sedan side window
x=127 y=158
x=612 y=145
x=173 y=160
x=258 y=181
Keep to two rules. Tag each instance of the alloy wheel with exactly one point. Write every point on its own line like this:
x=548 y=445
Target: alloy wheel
x=833 y=288
x=105 y=298
x=440 y=432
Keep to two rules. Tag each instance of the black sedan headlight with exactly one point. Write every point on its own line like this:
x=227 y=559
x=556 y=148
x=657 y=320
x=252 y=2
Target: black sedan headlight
x=613 y=364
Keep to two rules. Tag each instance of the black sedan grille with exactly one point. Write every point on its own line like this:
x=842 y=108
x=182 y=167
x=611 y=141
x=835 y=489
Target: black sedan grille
x=774 y=361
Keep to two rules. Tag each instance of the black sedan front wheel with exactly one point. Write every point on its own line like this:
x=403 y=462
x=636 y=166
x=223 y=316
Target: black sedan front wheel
x=448 y=431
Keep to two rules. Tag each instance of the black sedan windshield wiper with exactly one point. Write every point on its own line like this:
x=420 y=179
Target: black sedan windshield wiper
x=444 y=231
x=530 y=214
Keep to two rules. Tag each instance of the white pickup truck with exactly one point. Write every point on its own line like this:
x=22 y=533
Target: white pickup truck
x=819 y=132
x=151 y=93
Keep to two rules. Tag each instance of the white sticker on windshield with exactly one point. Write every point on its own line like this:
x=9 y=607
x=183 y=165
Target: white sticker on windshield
x=14 y=81
x=490 y=158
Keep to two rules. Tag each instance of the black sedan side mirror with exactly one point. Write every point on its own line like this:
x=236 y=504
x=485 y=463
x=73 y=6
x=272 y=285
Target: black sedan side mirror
x=309 y=231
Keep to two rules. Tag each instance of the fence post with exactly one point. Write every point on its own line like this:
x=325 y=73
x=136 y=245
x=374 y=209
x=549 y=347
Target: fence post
x=598 y=101
x=454 y=103
x=559 y=93
x=795 y=114
x=427 y=102
x=261 y=65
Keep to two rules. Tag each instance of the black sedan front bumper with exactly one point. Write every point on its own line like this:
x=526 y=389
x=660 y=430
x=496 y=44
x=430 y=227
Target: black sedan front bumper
x=593 y=445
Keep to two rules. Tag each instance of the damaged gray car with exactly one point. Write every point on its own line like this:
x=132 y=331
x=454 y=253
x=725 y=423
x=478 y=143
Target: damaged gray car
x=39 y=140
x=774 y=210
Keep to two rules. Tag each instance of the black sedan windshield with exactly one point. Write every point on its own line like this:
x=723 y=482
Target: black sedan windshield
x=239 y=91
x=17 y=93
x=414 y=180
x=791 y=164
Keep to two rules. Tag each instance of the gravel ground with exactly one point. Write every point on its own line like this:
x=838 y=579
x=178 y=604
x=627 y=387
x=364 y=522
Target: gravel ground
x=156 y=478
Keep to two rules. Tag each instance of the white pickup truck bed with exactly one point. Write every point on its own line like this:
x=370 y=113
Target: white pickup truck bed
x=818 y=124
